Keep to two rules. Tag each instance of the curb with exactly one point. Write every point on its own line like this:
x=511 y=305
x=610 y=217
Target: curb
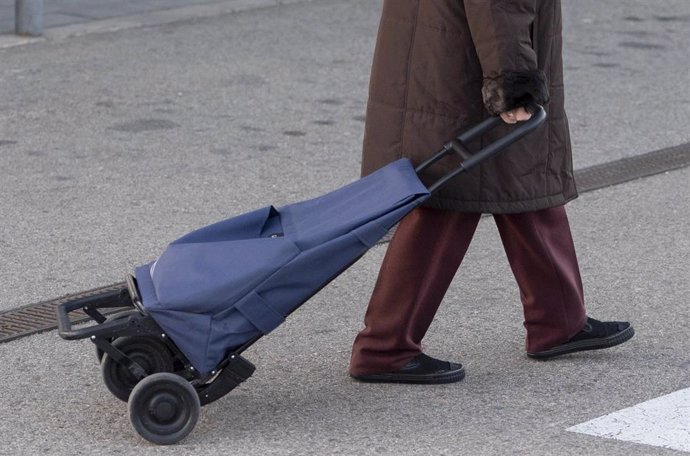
x=149 y=19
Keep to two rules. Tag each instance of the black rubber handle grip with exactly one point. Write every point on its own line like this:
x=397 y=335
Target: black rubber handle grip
x=470 y=160
x=521 y=130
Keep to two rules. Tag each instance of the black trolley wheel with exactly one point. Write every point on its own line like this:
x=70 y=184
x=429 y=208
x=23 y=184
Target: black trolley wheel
x=150 y=353
x=116 y=316
x=164 y=408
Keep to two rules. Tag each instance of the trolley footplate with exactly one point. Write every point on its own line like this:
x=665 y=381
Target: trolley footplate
x=235 y=372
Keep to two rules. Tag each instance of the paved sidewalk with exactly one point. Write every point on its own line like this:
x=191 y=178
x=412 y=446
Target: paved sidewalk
x=65 y=12
x=61 y=13
x=113 y=144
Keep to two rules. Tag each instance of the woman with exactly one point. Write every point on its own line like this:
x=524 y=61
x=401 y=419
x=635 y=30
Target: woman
x=439 y=66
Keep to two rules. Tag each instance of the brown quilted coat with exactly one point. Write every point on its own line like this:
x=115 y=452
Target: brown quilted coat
x=441 y=65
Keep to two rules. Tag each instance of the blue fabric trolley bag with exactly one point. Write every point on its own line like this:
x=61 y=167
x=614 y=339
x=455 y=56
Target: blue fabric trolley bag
x=172 y=339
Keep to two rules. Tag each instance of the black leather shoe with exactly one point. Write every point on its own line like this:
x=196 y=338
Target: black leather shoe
x=595 y=335
x=422 y=369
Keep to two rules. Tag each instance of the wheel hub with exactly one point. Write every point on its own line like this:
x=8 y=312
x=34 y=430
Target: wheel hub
x=163 y=408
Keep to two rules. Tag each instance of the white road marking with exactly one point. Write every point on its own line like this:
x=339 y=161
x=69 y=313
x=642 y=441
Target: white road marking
x=662 y=422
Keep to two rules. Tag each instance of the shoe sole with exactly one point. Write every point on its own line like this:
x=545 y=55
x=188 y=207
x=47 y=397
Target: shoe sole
x=428 y=379
x=587 y=344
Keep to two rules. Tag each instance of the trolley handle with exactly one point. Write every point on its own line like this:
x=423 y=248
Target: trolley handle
x=62 y=311
x=91 y=306
x=469 y=159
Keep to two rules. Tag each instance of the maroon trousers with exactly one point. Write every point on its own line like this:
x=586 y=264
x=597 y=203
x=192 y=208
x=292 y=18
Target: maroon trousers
x=422 y=259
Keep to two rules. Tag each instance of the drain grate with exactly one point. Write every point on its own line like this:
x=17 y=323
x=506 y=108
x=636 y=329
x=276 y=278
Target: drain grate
x=40 y=317
x=627 y=169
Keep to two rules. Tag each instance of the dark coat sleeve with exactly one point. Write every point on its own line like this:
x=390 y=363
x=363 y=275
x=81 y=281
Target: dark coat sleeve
x=501 y=32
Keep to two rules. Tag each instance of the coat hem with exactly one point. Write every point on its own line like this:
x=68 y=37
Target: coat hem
x=499 y=207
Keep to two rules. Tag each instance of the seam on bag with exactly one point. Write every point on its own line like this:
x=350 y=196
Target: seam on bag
x=252 y=296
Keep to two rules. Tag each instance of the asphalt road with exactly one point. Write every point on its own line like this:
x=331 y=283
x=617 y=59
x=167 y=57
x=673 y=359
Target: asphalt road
x=113 y=144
